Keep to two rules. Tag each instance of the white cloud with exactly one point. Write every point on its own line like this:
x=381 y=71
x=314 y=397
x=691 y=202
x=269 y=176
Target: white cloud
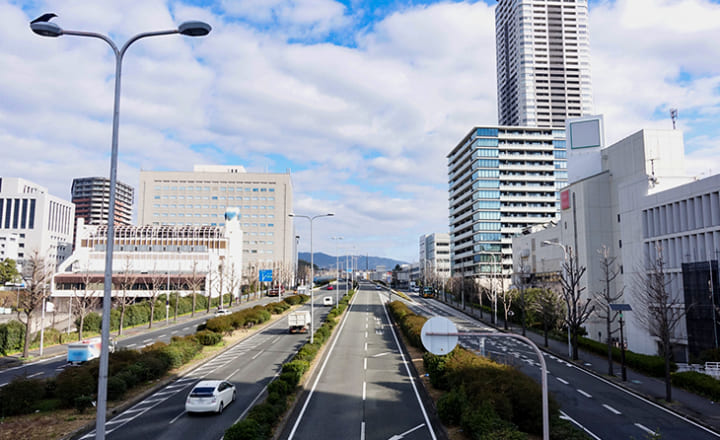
x=366 y=129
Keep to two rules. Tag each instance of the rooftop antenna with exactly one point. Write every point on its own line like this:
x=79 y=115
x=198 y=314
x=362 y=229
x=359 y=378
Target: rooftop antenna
x=653 y=179
x=673 y=116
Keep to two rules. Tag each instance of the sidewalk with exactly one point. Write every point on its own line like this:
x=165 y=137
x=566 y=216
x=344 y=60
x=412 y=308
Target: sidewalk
x=699 y=409
x=61 y=349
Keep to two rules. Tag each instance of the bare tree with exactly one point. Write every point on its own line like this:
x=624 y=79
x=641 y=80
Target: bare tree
x=153 y=284
x=127 y=279
x=36 y=273
x=210 y=286
x=233 y=281
x=605 y=297
x=220 y=284
x=194 y=280
x=658 y=310
x=549 y=306
x=86 y=299
x=579 y=309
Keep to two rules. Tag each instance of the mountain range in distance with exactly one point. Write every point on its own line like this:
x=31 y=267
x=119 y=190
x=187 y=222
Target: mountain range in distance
x=362 y=262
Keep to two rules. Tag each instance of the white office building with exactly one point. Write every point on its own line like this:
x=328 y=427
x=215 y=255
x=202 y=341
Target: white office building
x=201 y=197
x=42 y=222
x=634 y=198
x=501 y=180
x=543 y=62
x=434 y=262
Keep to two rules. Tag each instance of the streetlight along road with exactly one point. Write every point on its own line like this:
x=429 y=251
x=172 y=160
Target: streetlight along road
x=42 y=26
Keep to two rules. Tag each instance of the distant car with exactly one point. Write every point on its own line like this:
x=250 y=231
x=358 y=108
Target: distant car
x=210 y=396
x=330 y=287
x=377 y=287
x=328 y=301
x=276 y=291
x=222 y=312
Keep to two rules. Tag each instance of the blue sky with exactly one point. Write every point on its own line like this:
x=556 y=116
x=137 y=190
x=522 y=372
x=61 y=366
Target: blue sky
x=361 y=100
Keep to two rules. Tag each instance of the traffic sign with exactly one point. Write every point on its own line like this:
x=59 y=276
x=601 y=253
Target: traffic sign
x=266 y=276
x=439 y=344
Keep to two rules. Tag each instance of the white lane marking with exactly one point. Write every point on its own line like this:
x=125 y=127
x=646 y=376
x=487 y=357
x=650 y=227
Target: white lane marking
x=611 y=409
x=365 y=335
x=584 y=393
x=3 y=384
x=366 y=325
x=401 y=436
x=131 y=345
x=164 y=335
x=258 y=354
x=571 y=420
x=36 y=374
x=186 y=328
x=362 y=430
x=42 y=361
x=146 y=340
x=381 y=354
x=410 y=376
x=232 y=374
x=176 y=417
x=366 y=346
x=562 y=380
x=322 y=368
x=275 y=340
x=364 y=390
x=646 y=429
x=365 y=364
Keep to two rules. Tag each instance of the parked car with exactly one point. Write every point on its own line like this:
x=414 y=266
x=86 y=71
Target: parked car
x=210 y=396
x=222 y=312
x=330 y=287
x=328 y=301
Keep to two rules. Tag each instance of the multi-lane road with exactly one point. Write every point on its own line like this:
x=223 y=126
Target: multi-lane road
x=603 y=409
x=363 y=388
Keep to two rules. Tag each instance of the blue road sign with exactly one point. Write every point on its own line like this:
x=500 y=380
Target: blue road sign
x=266 y=276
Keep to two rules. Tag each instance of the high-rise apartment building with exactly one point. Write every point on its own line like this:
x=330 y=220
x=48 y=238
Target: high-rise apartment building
x=435 y=256
x=501 y=180
x=543 y=62
x=202 y=196
x=35 y=220
x=91 y=196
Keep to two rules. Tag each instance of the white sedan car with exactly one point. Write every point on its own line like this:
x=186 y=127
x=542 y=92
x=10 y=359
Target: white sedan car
x=210 y=396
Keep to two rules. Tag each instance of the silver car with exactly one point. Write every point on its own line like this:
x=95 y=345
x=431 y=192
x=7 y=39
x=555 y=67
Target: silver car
x=210 y=396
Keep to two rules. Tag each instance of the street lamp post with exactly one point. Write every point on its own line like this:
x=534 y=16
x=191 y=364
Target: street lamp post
x=564 y=275
x=48 y=29
x=312 y=269
x=337 y=269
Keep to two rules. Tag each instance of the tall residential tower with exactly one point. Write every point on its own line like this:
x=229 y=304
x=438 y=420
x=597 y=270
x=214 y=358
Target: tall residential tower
x=543 y=62
x=91 y=196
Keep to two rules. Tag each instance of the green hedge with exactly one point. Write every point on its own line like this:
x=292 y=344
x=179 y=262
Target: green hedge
x=488 y=400
x=642 y=363
x=12 y=337
x=698 y=383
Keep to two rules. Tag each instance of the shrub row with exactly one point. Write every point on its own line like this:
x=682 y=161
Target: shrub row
x=76 y=387
x=487 y=400
x=642 y=363
x=698 y=383
x=12 y=337
x=263 y=417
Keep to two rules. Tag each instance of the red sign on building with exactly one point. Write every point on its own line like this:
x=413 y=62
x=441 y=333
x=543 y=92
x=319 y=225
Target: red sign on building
x=565 y=199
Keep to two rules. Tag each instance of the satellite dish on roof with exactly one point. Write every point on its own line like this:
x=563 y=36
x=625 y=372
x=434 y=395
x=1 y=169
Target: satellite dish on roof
x=442 y=343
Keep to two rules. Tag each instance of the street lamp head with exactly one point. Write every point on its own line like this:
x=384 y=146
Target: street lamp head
x=46 y=29
x=194 y=28
x=330 y=214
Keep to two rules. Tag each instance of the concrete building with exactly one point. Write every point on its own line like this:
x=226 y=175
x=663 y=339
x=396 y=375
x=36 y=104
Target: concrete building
x=635 y=199
x=201 y=197
x=172 y=257
x=543 y=62
x=43 y=223
x=91 y=196
x=501 y=180
x=434 y=257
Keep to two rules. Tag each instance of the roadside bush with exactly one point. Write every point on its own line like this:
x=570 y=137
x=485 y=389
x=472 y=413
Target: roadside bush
x=52 y=336
x=74 y=382
x=21 y=396
x=220 y=324
x=151 y=365
x=208 y=337
x=82 y=403
x=12 y=337
x=698 y=383
x=129 y=378
x=451 y=405
x=296 y=367
x=647 y=364
x=307 y=352
x=435 y=367
x=91 y=323
x=280 y=387
x=116 y=388
x=246 y=429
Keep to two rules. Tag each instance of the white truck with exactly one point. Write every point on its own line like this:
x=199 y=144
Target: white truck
x=85 y=350
x=299 y=321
